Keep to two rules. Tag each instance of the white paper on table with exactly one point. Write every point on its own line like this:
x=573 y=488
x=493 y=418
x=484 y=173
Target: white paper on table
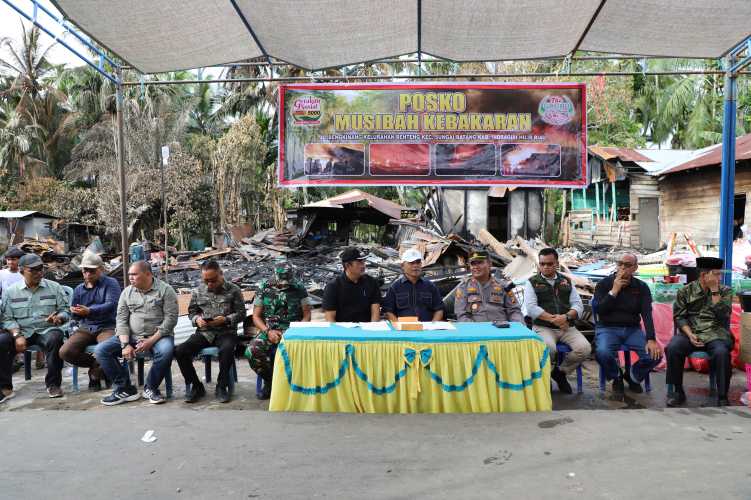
x=437 y=325
x=347 y=324
x=309 y=324
x=376 y=326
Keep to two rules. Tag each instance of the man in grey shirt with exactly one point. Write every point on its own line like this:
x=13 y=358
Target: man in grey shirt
x=482 y=297
x=146 y=318
x=554 y=304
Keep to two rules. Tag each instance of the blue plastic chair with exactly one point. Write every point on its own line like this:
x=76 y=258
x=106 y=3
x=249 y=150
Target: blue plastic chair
x=562 y=350
x=213 y=352
x=259 y=381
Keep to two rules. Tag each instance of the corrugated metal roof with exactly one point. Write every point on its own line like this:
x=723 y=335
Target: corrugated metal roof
x=623 y=154
x=20 y=214
x=712 y=156
x=384 y=206
x=661 y=159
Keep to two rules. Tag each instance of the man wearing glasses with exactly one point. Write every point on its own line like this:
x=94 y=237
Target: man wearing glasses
x=622 y=302
x=94 y=307
x=32 y=311
x=554 y=304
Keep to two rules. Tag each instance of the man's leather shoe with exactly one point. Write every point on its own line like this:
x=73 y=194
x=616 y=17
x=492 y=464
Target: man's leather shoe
x=723 y=401
x=618 y=387
x=196 y=392
x=560 y=379
x=678 y=398
x=222 y=394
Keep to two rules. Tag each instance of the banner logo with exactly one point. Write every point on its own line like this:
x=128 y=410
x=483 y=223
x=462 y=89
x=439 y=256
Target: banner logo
x=556 y=109
x=306 y=110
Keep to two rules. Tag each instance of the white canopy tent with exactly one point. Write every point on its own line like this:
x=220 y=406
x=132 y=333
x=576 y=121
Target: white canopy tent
x=162 y=35
x=158 y=35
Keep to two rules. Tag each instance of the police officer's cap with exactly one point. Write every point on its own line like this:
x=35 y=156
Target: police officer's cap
x=709 y=263
x=478 y=255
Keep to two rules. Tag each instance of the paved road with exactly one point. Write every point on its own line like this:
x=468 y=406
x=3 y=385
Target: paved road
x=236 y=454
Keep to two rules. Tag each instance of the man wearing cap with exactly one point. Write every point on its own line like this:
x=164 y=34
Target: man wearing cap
x=12 y=274
x=701 y=314
x=94 y=307
x=145 y=322
x=216 y=308
x=33 y=310
x=554 y=304
x=482 y=297
x=411 y=294
x=353 y=296
x=279 y=301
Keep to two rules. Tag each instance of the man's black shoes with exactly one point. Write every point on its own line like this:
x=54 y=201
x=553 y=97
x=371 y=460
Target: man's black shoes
x=196 y=392
x=560 y=379
x=222 y=394
x=677 y=399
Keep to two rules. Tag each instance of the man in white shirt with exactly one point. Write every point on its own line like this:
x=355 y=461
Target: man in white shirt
x=12 y=274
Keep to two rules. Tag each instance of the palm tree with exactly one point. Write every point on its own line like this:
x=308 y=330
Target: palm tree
x=16 y=140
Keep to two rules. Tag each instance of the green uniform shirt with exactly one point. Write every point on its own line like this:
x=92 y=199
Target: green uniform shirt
x=140 y=313
x=27 y=310
x=228 y=302
x=693 y=307
x=284 y=305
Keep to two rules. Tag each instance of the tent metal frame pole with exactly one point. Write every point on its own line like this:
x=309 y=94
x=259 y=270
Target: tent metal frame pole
x=34 y=18
x=733 y=65
x=121 y=170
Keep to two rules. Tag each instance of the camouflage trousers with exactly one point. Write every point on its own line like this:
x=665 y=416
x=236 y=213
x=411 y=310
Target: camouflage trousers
x=260 y=354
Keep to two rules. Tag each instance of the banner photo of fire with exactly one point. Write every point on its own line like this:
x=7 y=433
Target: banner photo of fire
x=468 y=134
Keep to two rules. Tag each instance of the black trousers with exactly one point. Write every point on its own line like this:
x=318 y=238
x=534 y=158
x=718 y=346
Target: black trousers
x=7 y=354
x=185 y=352
x=50 y=343
x=719 y=361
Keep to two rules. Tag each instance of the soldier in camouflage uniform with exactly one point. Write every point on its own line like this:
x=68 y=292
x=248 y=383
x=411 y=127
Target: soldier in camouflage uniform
x=279 y=301
x=701 y=313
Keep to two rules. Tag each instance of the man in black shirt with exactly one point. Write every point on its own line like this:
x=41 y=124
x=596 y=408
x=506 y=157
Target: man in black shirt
x=621 y=301
x=353 y=296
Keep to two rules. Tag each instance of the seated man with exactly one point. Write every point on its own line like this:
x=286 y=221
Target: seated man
x=481 y=297
x=701 y=314
x=12 y=274
x=553 y=304
x=33 y=310
x=216 y=308
x=146 y=319
x=94 y=306
x=411 y=294
x=279 y=301
x=353 y=296
x=622 y=301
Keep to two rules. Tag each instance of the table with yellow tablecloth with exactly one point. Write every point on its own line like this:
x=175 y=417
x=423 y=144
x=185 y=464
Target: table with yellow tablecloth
x=474 y=368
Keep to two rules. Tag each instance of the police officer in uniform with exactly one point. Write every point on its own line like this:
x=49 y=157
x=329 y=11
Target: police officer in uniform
x=481 y=297
x=279 y=301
